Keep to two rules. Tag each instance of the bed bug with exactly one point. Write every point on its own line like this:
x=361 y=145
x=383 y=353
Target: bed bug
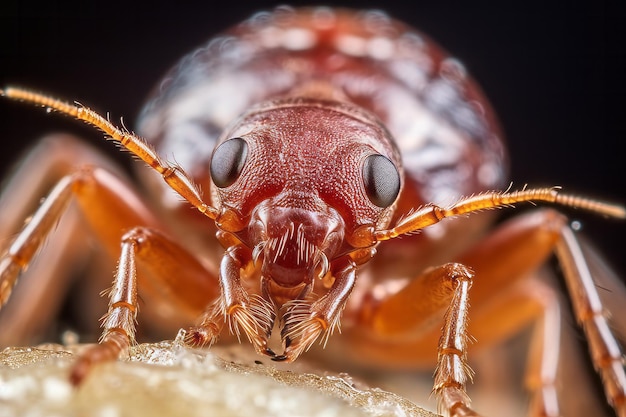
x=347 y=131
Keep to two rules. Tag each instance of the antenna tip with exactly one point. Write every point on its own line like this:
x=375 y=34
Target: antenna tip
x=7 y=91
x=620 y=212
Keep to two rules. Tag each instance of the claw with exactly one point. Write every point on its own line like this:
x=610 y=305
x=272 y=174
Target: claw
x=269 y=352
x=201 y=336
x=114 y=344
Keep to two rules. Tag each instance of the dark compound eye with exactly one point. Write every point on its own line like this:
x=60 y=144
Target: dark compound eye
x=227 y=161
x=381 y=180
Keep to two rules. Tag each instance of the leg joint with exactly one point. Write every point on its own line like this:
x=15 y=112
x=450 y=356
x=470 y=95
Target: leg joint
x=456 y=273
x=137 y=235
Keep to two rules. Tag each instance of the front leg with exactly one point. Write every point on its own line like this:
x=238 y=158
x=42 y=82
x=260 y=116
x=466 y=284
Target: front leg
x=251 y=314
x=452 y=368
x=110 y=207
x=119 y=322
x=304 y=322
x=175 y=274
x=400 y=328
x=411 y=314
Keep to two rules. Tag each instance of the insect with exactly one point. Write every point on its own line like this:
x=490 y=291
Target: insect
x=348 y=134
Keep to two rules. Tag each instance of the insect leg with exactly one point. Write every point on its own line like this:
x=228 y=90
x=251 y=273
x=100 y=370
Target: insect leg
x=176 y=275
x=119 y=322
x=105 y=201
x=521 y=246
x=305 y=322
x=407 y=322
x=503 y=260
x=543 y=358
x=27 y=243
x=588 y=308
x=243 y=312
x=40 y=291
x=516 y=249
x=110 y=208
x=452 y=368
x=525 y=302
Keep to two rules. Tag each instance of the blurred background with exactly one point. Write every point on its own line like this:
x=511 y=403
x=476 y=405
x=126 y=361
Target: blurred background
x=554 y=72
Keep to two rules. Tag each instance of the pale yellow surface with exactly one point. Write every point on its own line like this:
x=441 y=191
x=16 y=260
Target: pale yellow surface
x=166 y=379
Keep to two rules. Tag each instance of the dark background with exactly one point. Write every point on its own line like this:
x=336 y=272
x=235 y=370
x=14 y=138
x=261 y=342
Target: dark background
x=554 y=72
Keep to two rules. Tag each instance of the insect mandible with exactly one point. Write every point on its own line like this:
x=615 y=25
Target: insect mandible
x=304 y=174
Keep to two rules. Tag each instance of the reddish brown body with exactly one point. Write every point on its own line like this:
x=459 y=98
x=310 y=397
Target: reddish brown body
x=442 y=131
x=314 y=93
x=310 y=137
x=418 y=107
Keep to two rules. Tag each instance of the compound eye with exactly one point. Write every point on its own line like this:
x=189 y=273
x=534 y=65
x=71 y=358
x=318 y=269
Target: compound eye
x=227 y=161
x=381 y=180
